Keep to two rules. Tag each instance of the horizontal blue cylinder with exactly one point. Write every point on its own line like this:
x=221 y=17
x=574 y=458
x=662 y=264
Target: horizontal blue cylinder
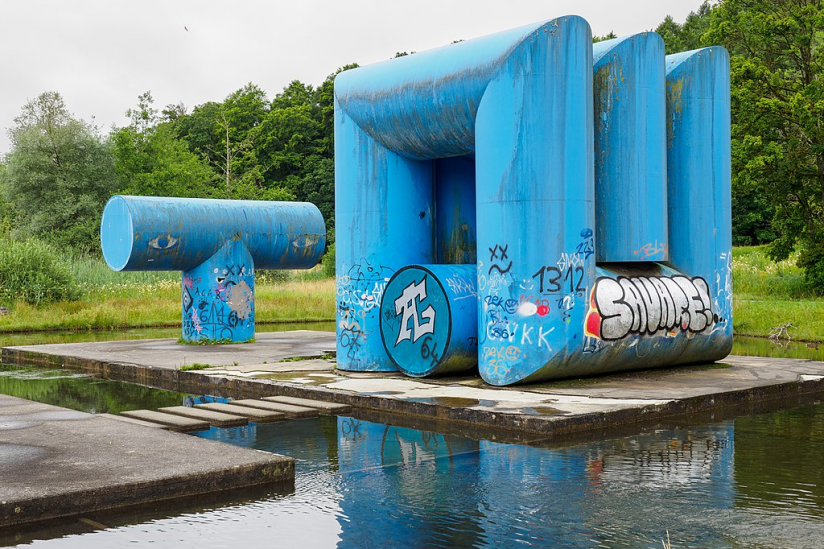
x=149 y=233
x=423 y=106
x=429 y=319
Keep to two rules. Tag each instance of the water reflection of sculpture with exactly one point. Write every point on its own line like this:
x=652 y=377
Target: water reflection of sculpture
x=404 y=487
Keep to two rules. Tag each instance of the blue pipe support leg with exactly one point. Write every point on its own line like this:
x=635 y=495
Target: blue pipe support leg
x=455 y=210
x=217 y=244
x=535 y=192
x=630 y=149
x=699 y=181
x=219 y=296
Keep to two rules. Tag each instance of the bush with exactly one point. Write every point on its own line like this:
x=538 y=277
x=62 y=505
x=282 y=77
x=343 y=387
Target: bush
x=329 y=261
x=812 y=261
x=35 y=273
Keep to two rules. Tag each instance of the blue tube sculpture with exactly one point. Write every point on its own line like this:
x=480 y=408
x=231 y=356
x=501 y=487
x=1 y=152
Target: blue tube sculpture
x=600 y=180
x=217 y=244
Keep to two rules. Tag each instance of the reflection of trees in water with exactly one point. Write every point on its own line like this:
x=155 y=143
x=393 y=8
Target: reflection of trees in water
x=779 y=459
x=80 y=392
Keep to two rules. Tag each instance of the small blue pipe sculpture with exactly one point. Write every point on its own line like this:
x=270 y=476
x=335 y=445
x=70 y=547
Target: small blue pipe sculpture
x=600 y=180
x=217 y=244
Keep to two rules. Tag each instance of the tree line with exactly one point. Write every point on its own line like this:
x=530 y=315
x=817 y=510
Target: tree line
x=61 y=170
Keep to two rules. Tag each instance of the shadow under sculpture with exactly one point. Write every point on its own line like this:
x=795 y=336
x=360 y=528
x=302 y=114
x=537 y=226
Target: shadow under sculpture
x=217 y=244
x=599 y=176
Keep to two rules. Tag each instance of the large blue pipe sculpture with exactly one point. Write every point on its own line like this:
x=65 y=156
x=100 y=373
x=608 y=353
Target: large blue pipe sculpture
x=602 y=194
x=217 y=244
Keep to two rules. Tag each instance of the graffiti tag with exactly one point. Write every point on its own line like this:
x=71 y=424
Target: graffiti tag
x=648 y=305
x=407 y=306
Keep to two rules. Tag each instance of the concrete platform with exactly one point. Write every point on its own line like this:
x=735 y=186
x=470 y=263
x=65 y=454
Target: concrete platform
x=58 y=462
x=549 y=409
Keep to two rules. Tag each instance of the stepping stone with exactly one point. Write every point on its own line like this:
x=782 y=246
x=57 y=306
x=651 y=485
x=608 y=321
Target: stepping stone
x=332 y=408
x=254 y=414
x=175 y=423
x=217 y=419
x=134 y=421
x=290 y=410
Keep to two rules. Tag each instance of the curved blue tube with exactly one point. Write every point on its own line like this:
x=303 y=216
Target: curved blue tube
x=147 y=233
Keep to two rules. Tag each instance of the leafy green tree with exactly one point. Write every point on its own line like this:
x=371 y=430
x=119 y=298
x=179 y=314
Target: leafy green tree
x=284 y=139
x=325 y=94
x=58 y=175
x=6 y=210
x=686 y=36
x=777 y=65
x=226 y=135
x=608 y=36
x=151 y=161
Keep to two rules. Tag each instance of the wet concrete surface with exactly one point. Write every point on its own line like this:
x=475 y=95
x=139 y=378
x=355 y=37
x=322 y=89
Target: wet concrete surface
x=56 y=462
x=268 y=348
x=267 y=368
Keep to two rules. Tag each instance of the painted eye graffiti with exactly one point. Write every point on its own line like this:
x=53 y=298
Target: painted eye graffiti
x=163 y=242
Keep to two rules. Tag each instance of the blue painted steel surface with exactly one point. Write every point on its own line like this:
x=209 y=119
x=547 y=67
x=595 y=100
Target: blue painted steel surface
x=455 y=210
x=383 y=221
x=424 y=106
x=535 y=192
x=219 y=296
x=522 y=103
x=698 y=171
x=175 y=234
x=217 y=244
x=630 y=149
x=429 y=319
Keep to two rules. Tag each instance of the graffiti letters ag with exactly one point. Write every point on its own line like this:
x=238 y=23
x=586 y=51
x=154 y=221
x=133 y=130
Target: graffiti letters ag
x=406 y=306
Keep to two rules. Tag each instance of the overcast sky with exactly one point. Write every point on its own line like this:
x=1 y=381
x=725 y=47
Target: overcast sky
x=101 y=54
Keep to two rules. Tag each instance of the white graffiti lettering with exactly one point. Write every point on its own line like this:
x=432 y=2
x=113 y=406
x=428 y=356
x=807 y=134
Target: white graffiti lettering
x=407 y=305
x=649 y=305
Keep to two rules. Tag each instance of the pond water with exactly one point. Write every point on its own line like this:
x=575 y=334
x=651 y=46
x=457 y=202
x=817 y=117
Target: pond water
x=36 y=338
x=754 y=481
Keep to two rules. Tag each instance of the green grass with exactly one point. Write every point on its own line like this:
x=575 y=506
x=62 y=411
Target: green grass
x=767 y=294
x=115 y=300
x=756 y=276
x=195 y=366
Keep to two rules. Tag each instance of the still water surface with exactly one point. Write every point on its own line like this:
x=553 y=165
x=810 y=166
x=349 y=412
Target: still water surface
x=753 y=481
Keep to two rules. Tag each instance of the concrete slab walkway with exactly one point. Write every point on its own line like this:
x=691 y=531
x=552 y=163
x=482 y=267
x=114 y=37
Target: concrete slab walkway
x=259 y=370
x=58 y=462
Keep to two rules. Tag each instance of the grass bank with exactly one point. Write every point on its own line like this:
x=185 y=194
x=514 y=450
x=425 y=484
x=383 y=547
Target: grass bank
x=112 y=300
x=766 y=295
